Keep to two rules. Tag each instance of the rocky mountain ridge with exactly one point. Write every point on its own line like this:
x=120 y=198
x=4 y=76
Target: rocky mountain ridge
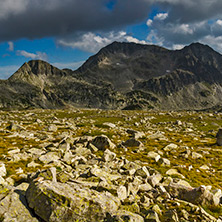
x=122 y=76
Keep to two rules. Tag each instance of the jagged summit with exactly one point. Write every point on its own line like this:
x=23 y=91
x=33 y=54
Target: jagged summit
x=36 y=68
x=199 y=48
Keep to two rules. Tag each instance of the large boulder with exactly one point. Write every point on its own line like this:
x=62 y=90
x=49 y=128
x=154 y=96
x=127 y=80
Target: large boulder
x=198 y=196
x=59 y=202
x=103 y=142
x=14 y=207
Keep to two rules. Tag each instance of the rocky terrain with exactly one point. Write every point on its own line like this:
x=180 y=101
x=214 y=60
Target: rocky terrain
x=122 y=76
x=95 y=165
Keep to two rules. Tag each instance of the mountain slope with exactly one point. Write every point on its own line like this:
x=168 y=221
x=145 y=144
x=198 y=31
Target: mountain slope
x=122 y=75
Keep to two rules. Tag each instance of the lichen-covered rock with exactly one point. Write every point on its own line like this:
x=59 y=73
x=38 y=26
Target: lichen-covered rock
x=49 y=157
x=199 y=195
x=122 y=192
x=170 y=147
x=152 y=216
x=2 y=170
x=59 y=202
x=127 y=216
x=14 y=207
x=155 y=179
x=153 y=155
x=108 y=155
x=135 y=134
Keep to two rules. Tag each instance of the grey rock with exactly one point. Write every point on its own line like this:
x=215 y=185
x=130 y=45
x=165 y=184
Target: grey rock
x=132 y=143
x=52 y=128
x=219 y=137
x=67 y=202
x=108 y=155
x=122 y=192
x=152 y=216
x=2 y=170
x=155 y=179
x=135 y=134
x=199 y=195
x=103 y=143
x=154 y=155
x=14 y=206
x=49 y=157
x=195 y=155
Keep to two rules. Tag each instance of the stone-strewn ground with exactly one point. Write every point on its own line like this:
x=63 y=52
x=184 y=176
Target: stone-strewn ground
x=94 y=165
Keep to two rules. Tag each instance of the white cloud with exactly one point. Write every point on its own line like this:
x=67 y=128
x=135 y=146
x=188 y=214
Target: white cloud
x=219 y=22
x=149 y=22
x=153 y=38
x=178 y=46
x=91 y=42
x=71 y=65
x=183 y=28
x=11 y=46
x=135 y=40
x=161 y=16
x=7 y=71
x=214 y=42
x=38 y=55
x=12 y=7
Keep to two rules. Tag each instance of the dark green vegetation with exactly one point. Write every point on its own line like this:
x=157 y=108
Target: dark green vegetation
x=122 y=76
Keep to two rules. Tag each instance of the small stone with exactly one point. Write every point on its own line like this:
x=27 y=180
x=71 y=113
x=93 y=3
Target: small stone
x=122 y=193
x=110 y=125
x=170 y=147
x=153 y=155
x=14 y=151
x=49 y=157
x=133 y=143
x=19 y=171
x=157 y=209
x=219 y=137
x=195 y=155
x=135 y=134
x=2 y=170
x=143 y=172
x=52 y=128
x=33 y=164
x=152 y=216
x=108 y=155
x=92 y=147
x=155 y=179
x=204 y=167
x=164 y=162
x=174 y=172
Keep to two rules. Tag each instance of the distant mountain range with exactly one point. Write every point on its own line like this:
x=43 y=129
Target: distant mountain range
x=122 y=76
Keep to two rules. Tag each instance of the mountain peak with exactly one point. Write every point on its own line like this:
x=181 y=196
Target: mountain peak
x=36 y=68
x=198 y=47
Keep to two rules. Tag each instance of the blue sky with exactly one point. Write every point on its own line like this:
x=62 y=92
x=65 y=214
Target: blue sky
x=65 y=33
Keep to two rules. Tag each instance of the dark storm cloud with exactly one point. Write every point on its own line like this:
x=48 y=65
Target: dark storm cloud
x=41 y=18
x=187 y=21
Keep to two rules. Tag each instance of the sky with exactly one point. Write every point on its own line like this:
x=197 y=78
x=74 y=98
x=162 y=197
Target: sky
x=66 y=32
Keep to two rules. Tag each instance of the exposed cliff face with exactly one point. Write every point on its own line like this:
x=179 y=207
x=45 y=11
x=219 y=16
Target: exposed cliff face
x=122 y=75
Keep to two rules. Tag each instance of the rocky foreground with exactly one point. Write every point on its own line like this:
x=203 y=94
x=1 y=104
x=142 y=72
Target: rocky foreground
x=93 y=165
